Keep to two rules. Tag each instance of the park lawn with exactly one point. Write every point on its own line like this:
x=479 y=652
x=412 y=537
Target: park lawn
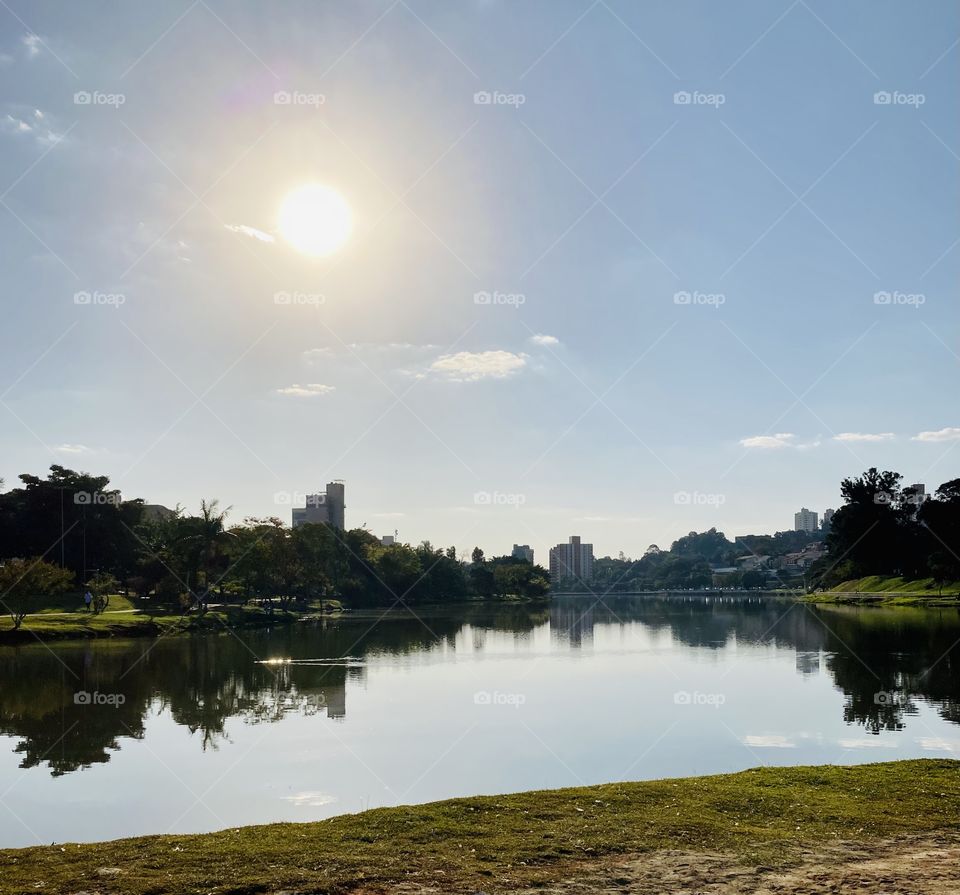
x=889 y=589
x=119 y=623
x=73 y=602
x=767 y=816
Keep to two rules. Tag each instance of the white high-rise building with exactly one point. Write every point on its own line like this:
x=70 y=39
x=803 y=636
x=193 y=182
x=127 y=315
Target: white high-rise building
x=805 y=520
x=327 y=507
x=571 y=560
x=523 y=551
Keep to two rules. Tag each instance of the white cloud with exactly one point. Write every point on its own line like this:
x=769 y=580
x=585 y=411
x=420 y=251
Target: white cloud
x=313 y=356
x=72 y=449
x=866 y=743
x=766 y=442
x=33 y=43
x=387 y=515
x=864 y=436
x=470 y=366
x=250 y=231
x=768 y=742
x=950 y=433
x=34 y=124
x=545 y=340
x=309 y=799
x=310 y=390
x=938 y=744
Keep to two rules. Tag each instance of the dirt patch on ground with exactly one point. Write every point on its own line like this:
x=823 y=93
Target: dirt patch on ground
x=927 y=865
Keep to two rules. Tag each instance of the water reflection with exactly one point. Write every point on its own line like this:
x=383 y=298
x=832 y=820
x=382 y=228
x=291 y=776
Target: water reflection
x=70 y=706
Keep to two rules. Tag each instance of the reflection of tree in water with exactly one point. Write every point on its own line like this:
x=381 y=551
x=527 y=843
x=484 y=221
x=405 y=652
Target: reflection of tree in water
x=905 y=655
x=886 y=660
x=204 y=681
x=883 y=659
x=44 y=705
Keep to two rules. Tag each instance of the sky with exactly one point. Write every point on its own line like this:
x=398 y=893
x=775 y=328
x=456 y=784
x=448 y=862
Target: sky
x=616 y=269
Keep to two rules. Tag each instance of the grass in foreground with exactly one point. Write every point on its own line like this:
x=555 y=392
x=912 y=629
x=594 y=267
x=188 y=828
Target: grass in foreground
x=768 y=815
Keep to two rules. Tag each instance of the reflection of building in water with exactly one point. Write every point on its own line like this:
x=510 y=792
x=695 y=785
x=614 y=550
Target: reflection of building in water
x=572 y=621
x=808 y=662
x=327 y=507
x=336 y=701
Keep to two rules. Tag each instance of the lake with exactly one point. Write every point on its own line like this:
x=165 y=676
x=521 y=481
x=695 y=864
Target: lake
x=100 y=739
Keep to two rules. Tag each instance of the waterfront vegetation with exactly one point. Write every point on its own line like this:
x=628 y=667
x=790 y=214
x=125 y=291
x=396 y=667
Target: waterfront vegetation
x=70 y=533
x=766 y=816
x=153 y=571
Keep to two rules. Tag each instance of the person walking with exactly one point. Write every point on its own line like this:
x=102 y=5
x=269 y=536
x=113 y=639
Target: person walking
x=87 y=600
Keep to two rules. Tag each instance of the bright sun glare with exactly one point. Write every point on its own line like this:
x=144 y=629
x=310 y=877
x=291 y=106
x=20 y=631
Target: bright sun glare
x=315 y=219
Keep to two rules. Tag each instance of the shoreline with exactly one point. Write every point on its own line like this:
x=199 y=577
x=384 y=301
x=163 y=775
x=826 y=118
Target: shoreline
x=764 y=820
x=80 y=626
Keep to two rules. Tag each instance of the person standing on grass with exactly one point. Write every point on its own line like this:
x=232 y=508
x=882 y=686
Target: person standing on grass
x=87 y=600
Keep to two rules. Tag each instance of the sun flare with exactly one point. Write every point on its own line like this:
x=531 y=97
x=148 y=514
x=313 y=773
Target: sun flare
x=315 y=220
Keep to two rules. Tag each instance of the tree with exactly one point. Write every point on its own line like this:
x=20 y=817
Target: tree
x=201 y=550
x=869 y=530
x=22 y=581
x=92 y=526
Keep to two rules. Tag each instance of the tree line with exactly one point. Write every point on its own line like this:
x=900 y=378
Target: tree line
x=72 y=530
x=885 y=528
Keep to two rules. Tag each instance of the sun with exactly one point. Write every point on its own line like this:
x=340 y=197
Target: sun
x=315 y=219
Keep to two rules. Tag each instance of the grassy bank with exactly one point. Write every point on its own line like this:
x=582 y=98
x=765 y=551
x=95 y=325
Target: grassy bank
x=768 y=816
x=56 y=625
x=891 y=590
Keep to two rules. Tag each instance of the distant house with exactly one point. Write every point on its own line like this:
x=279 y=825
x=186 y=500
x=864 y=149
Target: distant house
x=752 y=563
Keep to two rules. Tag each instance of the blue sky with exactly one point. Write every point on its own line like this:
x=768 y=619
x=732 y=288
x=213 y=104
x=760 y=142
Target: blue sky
x=702 y=313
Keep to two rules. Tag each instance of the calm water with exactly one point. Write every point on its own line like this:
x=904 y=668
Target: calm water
x=304 y=722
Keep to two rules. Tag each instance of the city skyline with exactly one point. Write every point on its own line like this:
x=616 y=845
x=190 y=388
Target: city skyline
x=714 y=288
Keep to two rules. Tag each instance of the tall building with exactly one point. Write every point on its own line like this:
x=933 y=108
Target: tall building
x=571 y=560
x=327 y=507
x=523 y=551
x=805 y=520
x=825 y=521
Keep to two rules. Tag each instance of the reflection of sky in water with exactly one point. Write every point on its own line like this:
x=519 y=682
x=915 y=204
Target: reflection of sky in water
x=492 y=703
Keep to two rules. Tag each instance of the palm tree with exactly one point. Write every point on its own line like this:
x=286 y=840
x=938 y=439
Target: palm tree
x=203 y=548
